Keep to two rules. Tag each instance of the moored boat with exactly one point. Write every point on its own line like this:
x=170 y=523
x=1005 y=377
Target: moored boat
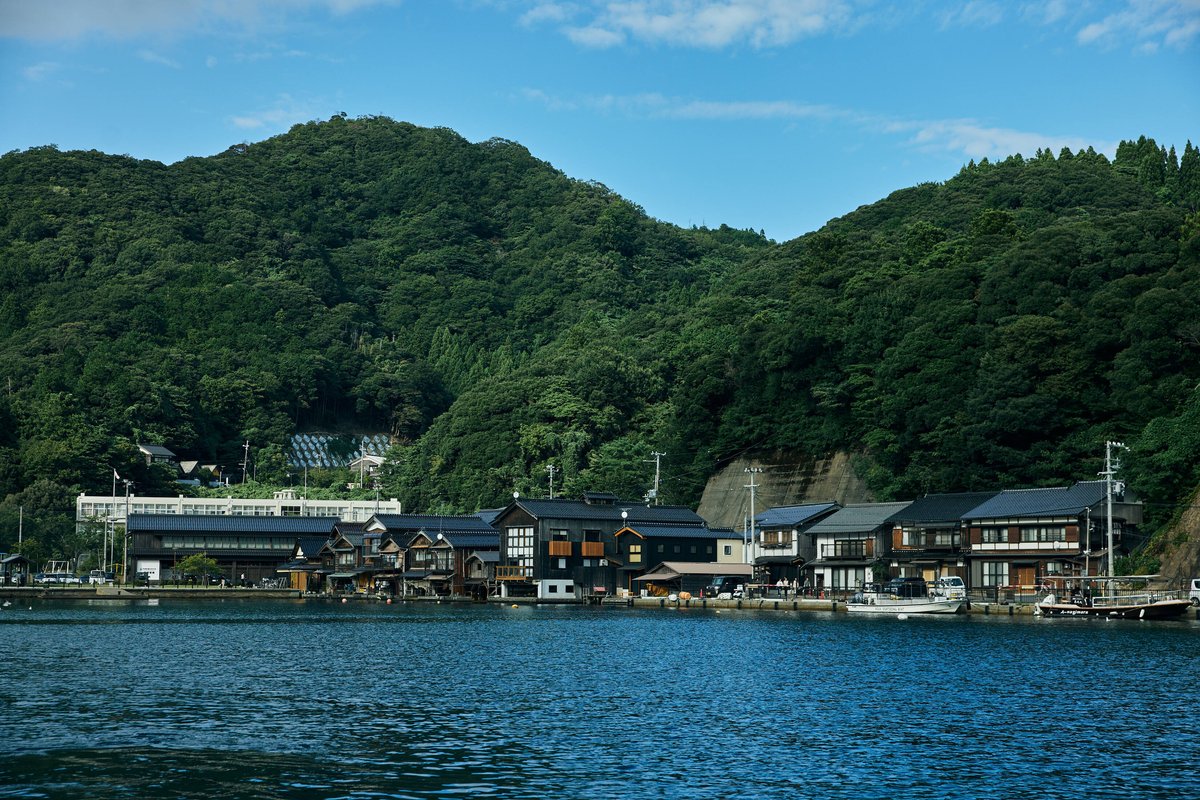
x=903 y=596
x=1112 y=604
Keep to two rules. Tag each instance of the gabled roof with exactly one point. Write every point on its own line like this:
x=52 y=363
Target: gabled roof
x=220 y=523
x=862 y=518
x=675 y=532
x=792 y=516
x=1053 y=502
x=668 y=570
x=433 y=524
x=941 y=507
x=156 y=450
x=310 y=546
x=635 y=511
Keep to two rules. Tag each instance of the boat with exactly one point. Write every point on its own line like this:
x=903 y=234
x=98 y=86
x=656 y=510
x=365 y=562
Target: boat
x=1111 y=604
x=903 y=596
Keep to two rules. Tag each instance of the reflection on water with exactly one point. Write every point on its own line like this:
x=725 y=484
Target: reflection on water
x=314 y=700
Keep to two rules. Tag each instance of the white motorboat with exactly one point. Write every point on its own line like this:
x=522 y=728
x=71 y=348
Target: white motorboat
x=903 y=596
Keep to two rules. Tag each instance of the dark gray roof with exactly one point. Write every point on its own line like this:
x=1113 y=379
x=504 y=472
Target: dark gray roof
x=862 y=518
x=579 y=510
x=679 y=531
x=156 y=450
x=792 y=516
x=1058 y=501
x=941 y=507
x=204 y=523
x=310 y=546
x=489 y=515
x=433 y=524
x=472 y=539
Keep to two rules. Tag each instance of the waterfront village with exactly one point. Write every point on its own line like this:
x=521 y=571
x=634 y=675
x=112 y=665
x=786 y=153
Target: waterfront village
x=1003 y=544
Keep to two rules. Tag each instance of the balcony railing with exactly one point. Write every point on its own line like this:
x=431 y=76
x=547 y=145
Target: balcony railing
x=592 y=549
x=513 y=572
x=560 y=548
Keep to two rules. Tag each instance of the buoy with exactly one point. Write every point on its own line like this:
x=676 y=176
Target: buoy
x=344 y=600
x=514 y=605
x=902 y=616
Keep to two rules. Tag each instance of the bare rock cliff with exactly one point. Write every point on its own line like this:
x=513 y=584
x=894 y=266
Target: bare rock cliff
x=1181 y=558
x=786 y=479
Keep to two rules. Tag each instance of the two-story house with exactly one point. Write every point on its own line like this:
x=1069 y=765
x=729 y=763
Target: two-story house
x=927 y=536
x=560 y=549
x=1021 y=535
x=427 y=554
x=784 y=541
x=641 y=547
x=850 y=544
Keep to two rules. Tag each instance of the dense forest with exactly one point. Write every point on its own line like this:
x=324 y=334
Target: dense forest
x=494 y=315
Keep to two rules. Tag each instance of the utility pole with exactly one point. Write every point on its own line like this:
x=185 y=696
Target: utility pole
x=657 y=473
x=245 y=459
x=550 y=470
x=748 y=531
x=1111 y=465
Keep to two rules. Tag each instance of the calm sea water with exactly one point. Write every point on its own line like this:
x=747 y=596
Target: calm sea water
x=316 y=700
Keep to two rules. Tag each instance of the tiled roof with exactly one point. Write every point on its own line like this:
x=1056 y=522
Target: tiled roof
x=791 y=516
x=857 y=518
x=433 y=523
x=941 y=507
x=679 y=532
x=310 y=546
x=579 y=510
x=1056 y=501
x=212 y=523
x=472 y=539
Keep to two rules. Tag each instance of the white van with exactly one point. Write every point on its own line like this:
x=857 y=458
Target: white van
x=951 y=587
x=1194 y=591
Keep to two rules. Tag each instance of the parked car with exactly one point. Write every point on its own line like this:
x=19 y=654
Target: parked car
x=725 y=587
x=1194 y=592
x=950 y=587
x=100 y=577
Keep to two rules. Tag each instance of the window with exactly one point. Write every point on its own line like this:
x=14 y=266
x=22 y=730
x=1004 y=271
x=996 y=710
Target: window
x=562 y=563
x=728 y=549
x=995 y=535
x=1043 y=533
x=635 y=553
x=995 y=573
x=519 y=545
x=552 y=588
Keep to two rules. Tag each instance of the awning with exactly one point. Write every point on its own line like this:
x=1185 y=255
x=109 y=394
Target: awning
x=343 y=575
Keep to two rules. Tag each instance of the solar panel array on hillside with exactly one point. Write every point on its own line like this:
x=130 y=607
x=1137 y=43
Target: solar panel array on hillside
x=314 y=449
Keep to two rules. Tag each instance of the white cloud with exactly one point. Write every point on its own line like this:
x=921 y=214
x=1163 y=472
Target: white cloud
x=962 y=138
x=124 y=19
x=284 y=113
x=151 y=57
x=695 y=23
x=41 y=71
x=974 y=14
x=972 y=140
x=1147 y=24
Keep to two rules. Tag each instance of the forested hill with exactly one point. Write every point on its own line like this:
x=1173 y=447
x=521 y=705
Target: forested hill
x=495 y=315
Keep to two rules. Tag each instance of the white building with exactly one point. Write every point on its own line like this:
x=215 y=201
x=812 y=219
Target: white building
x=284 y=504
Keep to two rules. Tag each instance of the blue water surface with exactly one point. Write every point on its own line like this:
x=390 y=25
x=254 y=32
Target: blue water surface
x=309 y=699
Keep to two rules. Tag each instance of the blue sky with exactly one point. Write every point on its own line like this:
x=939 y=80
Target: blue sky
x=767 y=114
